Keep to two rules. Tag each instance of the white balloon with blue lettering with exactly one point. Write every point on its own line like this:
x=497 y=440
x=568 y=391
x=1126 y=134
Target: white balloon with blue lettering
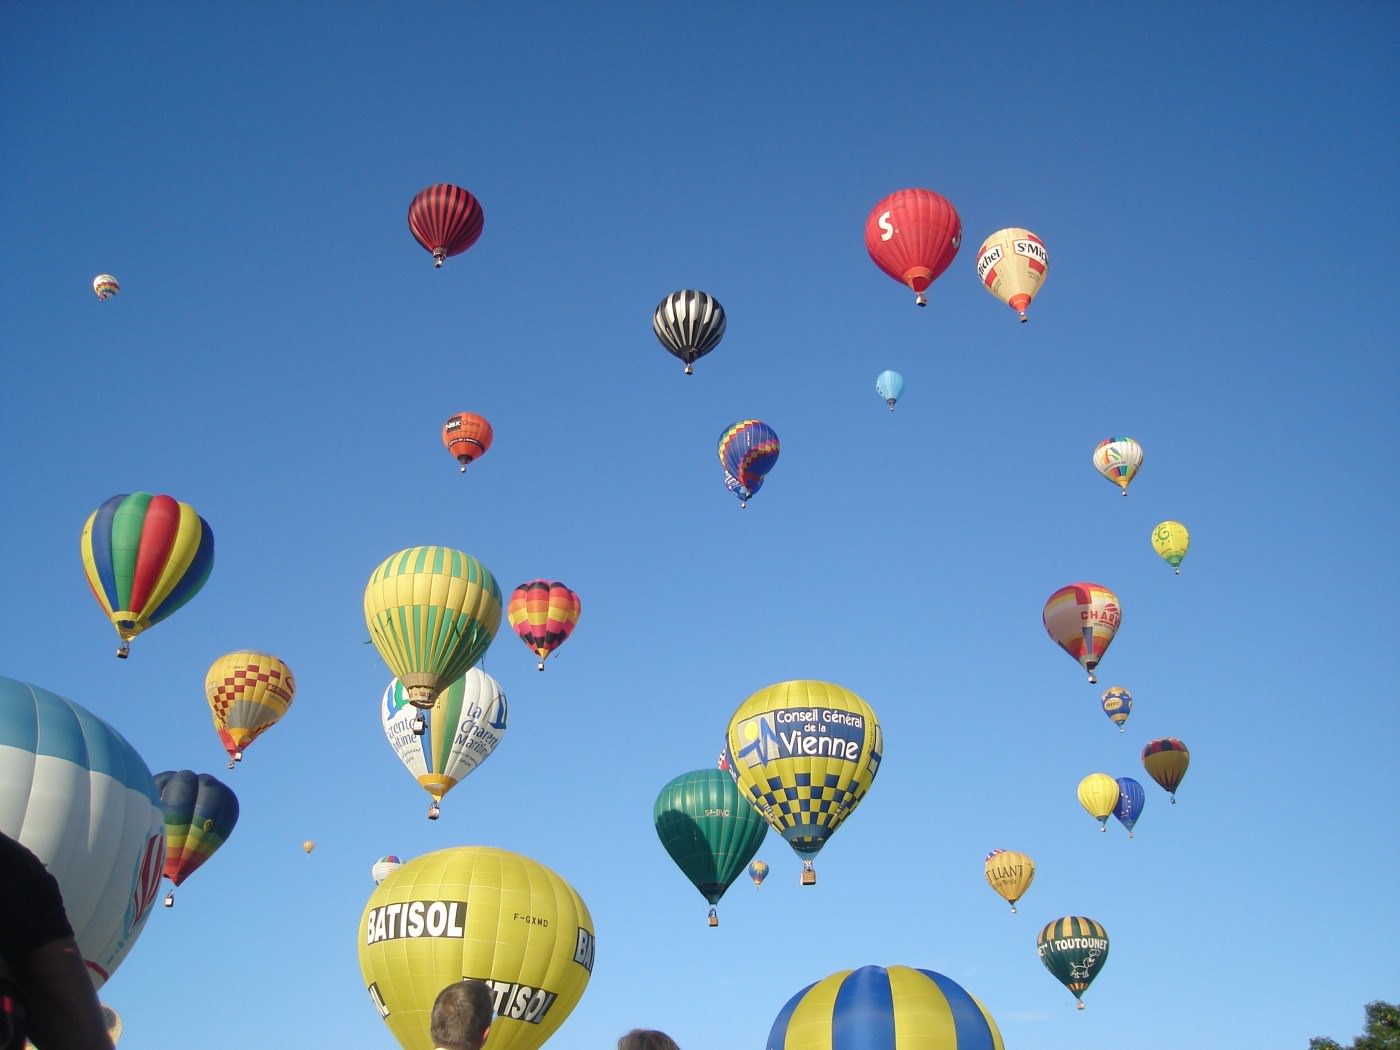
x=80 y=798
x=441 y=745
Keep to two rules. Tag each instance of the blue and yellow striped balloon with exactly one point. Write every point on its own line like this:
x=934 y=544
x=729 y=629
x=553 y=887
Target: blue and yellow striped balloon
x=874 y=1008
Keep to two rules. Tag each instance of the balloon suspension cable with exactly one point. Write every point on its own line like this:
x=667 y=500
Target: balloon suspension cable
x=434 y=811
x=170 y=899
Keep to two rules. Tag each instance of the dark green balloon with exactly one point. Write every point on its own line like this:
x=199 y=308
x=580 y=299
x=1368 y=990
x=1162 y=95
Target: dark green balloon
x=708 y=828
x=1074 y=949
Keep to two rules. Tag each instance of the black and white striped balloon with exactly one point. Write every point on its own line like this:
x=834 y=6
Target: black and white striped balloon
x=689 y=324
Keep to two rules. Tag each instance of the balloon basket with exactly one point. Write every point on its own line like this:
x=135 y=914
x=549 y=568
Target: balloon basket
x=123 y=650
x=170 y=899
x=809 y=877
x=434 y=812
x=713 y=918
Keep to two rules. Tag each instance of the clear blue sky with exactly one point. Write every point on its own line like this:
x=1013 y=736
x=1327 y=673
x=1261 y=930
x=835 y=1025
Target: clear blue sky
x=1217 y=194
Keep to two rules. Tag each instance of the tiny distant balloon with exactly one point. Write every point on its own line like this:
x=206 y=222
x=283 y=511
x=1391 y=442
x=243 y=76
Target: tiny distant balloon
x=1012 y=264
x=689 y=324
x=758 y=871
x=1082 y=618
x=384 y=867
x=445 y=220
x=1074 y=948
x=1118 y=459
x=308 y=845
x=1170 y=539
x=1166 y=760
x=105 y=286
x=1098 y=794
x=913 y=236
x=1118 y=705
x=889 y=385
x=1131 y=799
x=1009 y=873
x=467 y=436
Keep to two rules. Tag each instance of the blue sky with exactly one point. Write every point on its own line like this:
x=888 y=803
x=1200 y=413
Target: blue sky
x=1215 y=191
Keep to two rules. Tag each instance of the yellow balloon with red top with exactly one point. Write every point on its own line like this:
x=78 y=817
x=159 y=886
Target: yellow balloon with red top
x=479 y=913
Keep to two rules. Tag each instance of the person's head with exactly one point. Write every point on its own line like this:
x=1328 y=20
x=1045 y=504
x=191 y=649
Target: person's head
x=646 y=1039
x=461 y=1016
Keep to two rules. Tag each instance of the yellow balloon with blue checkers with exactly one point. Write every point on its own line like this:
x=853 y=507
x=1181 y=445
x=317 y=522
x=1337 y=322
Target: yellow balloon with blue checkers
x=804 y=753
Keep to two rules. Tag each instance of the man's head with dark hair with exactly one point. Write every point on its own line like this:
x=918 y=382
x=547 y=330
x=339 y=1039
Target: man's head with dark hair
x=646 y=1039
x=461 y=1016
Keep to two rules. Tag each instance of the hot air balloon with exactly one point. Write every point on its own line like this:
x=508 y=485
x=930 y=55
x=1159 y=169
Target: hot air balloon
x=308 y=846
x=758 y=871
x=747 y=449
x=689 y=324
x=200 y=813
x=145 y=556
x=1012 y=265
x=879 y=1008
x=81 y=799
x=104 y=286
x=384 y=867
x=431 y=612
x=248 y=692
x=1118 y=459
x=455 y=735
x=1170 y=540
x=478 y=913
x=113 y=1021
x=467 y=436
x=889 y=385
x=1082 y=619
x=445 y=220
x=1098 y=794
x=543 y=613
x=1166 y=760
x=1074 y=949
x=804 y=754
x=1118 y=705
x=709 y=829
x=1130 y=802
x=1009 y=873
x=913 y=235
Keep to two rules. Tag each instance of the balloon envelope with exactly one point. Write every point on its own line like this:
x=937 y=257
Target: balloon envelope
x=1131 y=799
x=1117 y=704
x=1012 y=264
x=80 y=797
x=1082 y=619
x=431 y=613
x=708 y=828
x=889 y=385
x=804 y=753
x=384 y=867
x=1170 y=539
x=689 y=324
x=200 y=814
x=445 y=220
x=758 y=871
x=462 y=730
x=543 y=613
x=480 y=913
x=1166 y=760
x=879 y=1008
x=248 y=693
x=1074 y=949
x=144 y=556
x=747 y=449
x=1009 y=873
x=913 y=235
x=1118 y=459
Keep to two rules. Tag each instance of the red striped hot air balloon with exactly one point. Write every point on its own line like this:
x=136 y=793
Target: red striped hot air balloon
x=445 y=220
x=543 y=613
x=913 y=236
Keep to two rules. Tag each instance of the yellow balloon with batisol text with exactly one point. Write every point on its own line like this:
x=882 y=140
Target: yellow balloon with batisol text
x=476 y=912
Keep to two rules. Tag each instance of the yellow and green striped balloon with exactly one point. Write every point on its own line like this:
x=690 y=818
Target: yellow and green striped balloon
x=431 y=613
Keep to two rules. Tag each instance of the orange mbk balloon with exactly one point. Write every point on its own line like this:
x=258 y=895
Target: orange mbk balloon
x=467 y=436
x=913 y=236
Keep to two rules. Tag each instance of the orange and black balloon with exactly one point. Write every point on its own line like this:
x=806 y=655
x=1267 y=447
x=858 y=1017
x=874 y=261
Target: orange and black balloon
x=467 y=436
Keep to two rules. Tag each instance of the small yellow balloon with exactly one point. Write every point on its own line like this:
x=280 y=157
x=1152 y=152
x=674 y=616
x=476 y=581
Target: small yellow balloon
x=308 y=845
x=481 y=913
x=1009 y=873
x=1170 y=539
x=248 y=692
x=1098 y=793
